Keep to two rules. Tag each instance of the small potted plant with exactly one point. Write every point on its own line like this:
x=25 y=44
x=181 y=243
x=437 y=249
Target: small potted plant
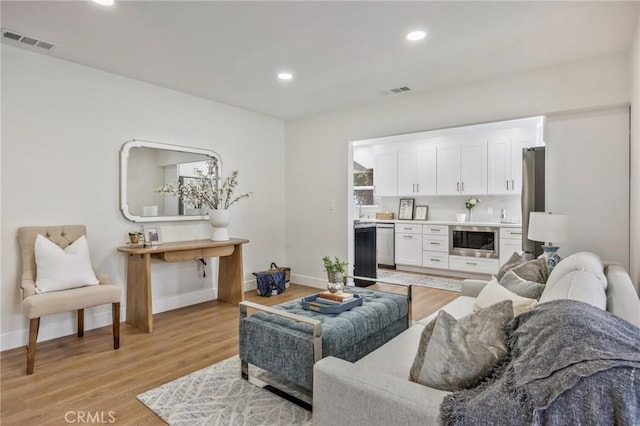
x=336 y=270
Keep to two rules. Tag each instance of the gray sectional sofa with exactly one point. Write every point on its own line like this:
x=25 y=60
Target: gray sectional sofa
x=376 y=391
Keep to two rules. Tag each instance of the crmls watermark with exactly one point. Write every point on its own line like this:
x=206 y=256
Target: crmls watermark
x=105 y=417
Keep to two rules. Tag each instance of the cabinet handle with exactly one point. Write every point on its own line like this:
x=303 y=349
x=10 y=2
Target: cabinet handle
x=435 y=230
x=435 y=260
x=515 y=233
x=408 y=236
x=507 y=184
x=434 y=244
x=413 y=187
x=408 y=229
x=512 y=184
x=472 y=263
x=458 y=186
x=417 y=187
x=462 y=187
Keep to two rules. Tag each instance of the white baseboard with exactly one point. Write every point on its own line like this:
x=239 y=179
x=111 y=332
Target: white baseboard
x=52 y=327
x=65 y=324
x=309 y=281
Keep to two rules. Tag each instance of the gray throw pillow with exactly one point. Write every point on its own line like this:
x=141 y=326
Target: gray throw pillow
x=511 y=263
x=535 y=270
x=458 y=354
x=512 y=282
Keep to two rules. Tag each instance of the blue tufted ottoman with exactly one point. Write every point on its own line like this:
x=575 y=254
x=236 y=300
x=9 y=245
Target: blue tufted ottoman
x=287 y=339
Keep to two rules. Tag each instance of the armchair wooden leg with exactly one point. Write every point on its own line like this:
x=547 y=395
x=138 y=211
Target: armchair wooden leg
x=80 y=322
x=116 y=324
x=34 y=325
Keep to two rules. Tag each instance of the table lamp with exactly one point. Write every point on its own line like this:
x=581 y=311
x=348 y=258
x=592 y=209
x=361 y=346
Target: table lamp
x=549 y=228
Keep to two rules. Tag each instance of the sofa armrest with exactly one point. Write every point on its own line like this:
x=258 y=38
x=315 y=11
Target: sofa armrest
x=622 y=299
x=472 y=288
x=346 y=394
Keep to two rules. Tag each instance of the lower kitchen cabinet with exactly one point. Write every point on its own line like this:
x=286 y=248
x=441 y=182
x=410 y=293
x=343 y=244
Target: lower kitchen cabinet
x=474 y=264
x=434 y=259
x=510 y=241
x=408 y=249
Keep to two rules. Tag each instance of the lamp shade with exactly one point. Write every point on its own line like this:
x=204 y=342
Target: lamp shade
x=548 y=227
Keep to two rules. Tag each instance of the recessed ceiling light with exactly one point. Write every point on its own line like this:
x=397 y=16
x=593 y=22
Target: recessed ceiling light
x=285 y=76
x=103 y=2
x=416 y=35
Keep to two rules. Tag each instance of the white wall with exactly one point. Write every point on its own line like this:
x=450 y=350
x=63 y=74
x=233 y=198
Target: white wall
x=62 y=128
x=588 y=179
x=317 y=147
x=635 y=160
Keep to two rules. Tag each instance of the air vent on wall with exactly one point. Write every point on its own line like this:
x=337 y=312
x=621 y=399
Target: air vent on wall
x=21 y=38
x=396 y=90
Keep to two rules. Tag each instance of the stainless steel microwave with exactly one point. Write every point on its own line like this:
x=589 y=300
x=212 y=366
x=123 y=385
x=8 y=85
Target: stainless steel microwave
x=475 y=241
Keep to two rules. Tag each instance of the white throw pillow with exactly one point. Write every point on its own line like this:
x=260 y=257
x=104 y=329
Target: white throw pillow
x=493 y=293
x=59 y=269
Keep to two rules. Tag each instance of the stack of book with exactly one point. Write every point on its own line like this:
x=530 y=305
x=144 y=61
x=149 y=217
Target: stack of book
x=339 y=297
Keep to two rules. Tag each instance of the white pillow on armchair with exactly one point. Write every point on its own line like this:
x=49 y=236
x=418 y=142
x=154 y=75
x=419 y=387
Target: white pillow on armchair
x=59 y=269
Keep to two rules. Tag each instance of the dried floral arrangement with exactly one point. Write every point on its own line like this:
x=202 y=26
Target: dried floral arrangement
x=207 y=189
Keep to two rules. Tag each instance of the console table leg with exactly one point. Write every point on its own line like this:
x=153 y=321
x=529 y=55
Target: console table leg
x=139 y=312
x=230 y=277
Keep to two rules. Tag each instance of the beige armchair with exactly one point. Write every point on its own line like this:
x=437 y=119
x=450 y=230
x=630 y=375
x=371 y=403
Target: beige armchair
x=36 y=305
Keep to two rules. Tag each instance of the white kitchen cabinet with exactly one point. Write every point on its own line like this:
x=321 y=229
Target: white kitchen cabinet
x=505 y=165
x=448 y=172
x=510 y=241
x=474 y=264
x=435 y=246
x=408 y=248
x=385 y=173
x=462 y=167
x=434 y=259
x=417 y=171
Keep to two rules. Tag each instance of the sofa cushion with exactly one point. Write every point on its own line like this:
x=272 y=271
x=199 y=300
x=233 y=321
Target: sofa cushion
x=582 y=261
x=535 y=270
x=59 y=269
x=457 y=354
x=401 y=349
x=512 y=262
x=577 y=285
x=458 y=308
x=494 y=293
x=512 y=282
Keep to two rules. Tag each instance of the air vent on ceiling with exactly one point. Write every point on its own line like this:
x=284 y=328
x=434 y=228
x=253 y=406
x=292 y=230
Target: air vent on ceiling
x=21 y=38
x=396 y=90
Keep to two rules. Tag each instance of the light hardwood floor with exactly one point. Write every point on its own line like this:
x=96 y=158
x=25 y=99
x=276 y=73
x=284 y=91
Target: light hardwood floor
x=75 y=376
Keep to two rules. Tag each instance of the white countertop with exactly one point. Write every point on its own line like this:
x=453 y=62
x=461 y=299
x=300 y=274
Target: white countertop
x=442 y=222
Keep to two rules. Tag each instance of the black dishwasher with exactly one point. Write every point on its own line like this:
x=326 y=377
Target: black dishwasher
x=365 y=253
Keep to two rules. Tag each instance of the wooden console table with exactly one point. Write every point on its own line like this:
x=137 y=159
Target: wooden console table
x=230 y=273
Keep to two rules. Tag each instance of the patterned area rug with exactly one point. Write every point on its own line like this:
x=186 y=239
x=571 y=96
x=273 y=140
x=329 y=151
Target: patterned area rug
x=217 y=395
x=419 y=280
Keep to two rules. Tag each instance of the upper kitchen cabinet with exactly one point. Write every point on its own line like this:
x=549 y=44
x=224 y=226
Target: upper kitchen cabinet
x=505 y=158
x=461 y=167
x=417 y=171
x=385 y=171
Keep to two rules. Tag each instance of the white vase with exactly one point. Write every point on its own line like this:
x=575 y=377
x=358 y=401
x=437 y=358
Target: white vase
x=219 y=220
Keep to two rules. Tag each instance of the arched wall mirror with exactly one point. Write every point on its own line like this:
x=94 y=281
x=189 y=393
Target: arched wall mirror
x=146 y=166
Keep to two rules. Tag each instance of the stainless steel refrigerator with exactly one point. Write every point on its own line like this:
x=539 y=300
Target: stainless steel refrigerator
x=533 y=194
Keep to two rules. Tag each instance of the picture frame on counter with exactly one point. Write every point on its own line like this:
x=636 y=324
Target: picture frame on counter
x=152 y=235
x=405 y=211
x=421 y=213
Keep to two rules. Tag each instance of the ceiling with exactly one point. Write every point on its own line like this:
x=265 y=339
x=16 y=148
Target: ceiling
x=341 y=53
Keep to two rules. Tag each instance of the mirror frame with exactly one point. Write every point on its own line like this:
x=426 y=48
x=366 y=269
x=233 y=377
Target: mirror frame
x=124 y=164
